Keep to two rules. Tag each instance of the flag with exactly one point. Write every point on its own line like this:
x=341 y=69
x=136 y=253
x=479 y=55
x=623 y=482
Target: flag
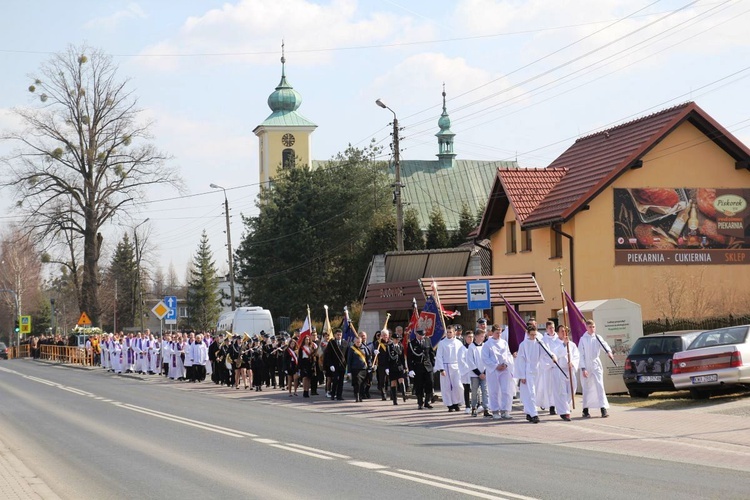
x=346 y=327
x=450 y=314
x=575 y=318
x=327 y=325
x=516 y=327
x=306 y=329
x=413 y=325
x=430 y=322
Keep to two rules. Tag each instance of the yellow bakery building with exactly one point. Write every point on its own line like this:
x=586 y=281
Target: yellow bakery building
x=656 y=211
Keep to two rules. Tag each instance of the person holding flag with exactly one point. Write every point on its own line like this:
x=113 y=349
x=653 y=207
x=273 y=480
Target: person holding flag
x=357 y=363
x=421 y=361
x=446 y=363
x=527 y=370
x=335 y=359
x=561 y=386
x=592 y=384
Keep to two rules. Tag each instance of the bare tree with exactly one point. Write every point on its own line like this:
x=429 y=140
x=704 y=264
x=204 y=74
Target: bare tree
x=20 y=271
x=82 y=159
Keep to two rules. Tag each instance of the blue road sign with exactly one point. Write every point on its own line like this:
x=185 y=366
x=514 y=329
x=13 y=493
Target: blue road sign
x=171 y=303
x=478 y=295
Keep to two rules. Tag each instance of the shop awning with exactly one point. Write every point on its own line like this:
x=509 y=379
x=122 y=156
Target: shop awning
x=517 y=288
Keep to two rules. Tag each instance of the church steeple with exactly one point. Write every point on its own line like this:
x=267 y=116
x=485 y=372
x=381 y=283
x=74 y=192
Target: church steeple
x=284 y=137
x=445 y=138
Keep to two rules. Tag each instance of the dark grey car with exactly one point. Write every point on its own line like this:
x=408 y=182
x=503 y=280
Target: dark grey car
x=648 y=367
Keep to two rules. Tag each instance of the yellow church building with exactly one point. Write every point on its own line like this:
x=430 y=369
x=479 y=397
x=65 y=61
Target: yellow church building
x=656 y=211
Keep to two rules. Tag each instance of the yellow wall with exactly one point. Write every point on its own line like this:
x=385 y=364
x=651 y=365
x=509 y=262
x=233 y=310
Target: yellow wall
x=685 y=158
x=270 y=149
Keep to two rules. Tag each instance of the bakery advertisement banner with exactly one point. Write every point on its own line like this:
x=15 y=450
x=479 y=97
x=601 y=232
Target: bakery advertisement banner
x=668 y=226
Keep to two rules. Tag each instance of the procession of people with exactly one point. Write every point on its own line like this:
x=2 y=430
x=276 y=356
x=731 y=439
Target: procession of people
x=475 y=369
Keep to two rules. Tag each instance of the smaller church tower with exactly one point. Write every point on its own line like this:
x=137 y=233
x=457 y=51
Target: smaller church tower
x=445 y=139
x=284 y=137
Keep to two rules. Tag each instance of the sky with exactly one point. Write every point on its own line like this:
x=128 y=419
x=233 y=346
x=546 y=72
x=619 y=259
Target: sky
x=523 y=79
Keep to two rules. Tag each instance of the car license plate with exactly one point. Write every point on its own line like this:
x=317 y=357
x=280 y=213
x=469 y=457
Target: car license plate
x=649 y=378
x=704 y=379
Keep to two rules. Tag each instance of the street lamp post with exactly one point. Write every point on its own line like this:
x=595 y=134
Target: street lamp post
x=18 y=316
x=397 y=185
x=229 y=246
x=138 y=255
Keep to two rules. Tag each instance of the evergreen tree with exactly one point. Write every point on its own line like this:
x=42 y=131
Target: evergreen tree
x=123 y=276
x=413 y=235
x=478 y=216
x=437 y=232
x=466 y=224
x=41 y=319
x=311 y=241
x=203 y=302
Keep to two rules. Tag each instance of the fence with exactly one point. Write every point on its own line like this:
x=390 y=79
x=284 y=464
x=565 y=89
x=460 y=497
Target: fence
x=18 y=352
x=65 y=354
x=656 y=326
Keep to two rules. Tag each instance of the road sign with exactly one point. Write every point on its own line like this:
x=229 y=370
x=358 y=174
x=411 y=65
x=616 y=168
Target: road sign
x=84 y=320
x=160 y=310
x=478 y=295
x=171 y=316
x=25 y=324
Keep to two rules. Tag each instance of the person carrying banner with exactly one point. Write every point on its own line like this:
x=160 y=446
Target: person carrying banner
x=357 y=363
x=498 y=364
x=335 y=359
x=592 y=383
x=544 y=389
x=446 y=363
x=380 y=351
x=396 y=367
x=561 y=386
x=527 y=370
x=421 y=361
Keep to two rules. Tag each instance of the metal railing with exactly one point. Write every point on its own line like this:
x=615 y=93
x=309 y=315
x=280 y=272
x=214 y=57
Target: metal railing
x=65 y=354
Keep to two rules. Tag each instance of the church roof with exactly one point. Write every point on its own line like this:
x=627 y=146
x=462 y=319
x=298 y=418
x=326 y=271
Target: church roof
x=427 y=184
x=286 y=119
x=284 y=102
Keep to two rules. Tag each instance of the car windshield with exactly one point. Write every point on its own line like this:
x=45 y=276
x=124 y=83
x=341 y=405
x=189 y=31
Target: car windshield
x=656 y=345
x=723 y=336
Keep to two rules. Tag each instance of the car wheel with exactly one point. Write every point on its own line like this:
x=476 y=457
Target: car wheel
x=637 y=394
x=700 y=394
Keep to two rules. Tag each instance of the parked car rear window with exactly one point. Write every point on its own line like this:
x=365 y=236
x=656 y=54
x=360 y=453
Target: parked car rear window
x=723 y=336
x=656 y=345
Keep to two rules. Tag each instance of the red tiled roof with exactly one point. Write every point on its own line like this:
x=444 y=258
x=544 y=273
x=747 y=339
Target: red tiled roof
x=594 y=161
x=527 y=187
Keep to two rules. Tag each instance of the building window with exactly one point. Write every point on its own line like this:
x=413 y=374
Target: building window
x=511 y=243
x=287 y=158
x=182 y=312
x=525 y=240
x=556 y=250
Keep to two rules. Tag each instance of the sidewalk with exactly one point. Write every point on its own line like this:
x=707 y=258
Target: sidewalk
x=17 y=482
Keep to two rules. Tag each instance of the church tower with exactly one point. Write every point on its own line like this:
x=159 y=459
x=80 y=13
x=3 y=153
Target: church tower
x=445 y=139
x=284 y=137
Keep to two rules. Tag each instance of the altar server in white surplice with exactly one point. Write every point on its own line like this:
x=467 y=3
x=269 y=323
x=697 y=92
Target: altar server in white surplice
x=446 y=363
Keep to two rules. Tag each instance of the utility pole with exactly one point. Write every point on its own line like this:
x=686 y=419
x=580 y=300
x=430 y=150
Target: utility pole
x=229 y=247
x=138 y=272
x=396 y=185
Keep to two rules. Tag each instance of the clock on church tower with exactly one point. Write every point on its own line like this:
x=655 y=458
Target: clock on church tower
x=288 y=140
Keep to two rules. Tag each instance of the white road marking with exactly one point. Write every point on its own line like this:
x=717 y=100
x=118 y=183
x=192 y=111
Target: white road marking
x=303 y=452
x=315 y=450
x=196 y=422
x=442 y=486
x=199 y=426
x=467 y=485
x=367 y=465
x=265 y=440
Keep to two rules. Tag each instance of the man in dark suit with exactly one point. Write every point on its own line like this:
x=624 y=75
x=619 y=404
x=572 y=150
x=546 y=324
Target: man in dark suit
x=421 y=362
x=335 y=359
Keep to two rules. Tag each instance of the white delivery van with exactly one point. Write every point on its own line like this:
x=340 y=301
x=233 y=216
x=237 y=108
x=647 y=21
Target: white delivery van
x=250 y=320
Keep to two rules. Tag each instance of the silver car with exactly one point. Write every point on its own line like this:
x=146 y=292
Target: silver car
x=716 y=358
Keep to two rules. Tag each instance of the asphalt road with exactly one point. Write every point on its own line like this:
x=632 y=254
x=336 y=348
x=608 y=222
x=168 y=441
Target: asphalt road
x=90 y=434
